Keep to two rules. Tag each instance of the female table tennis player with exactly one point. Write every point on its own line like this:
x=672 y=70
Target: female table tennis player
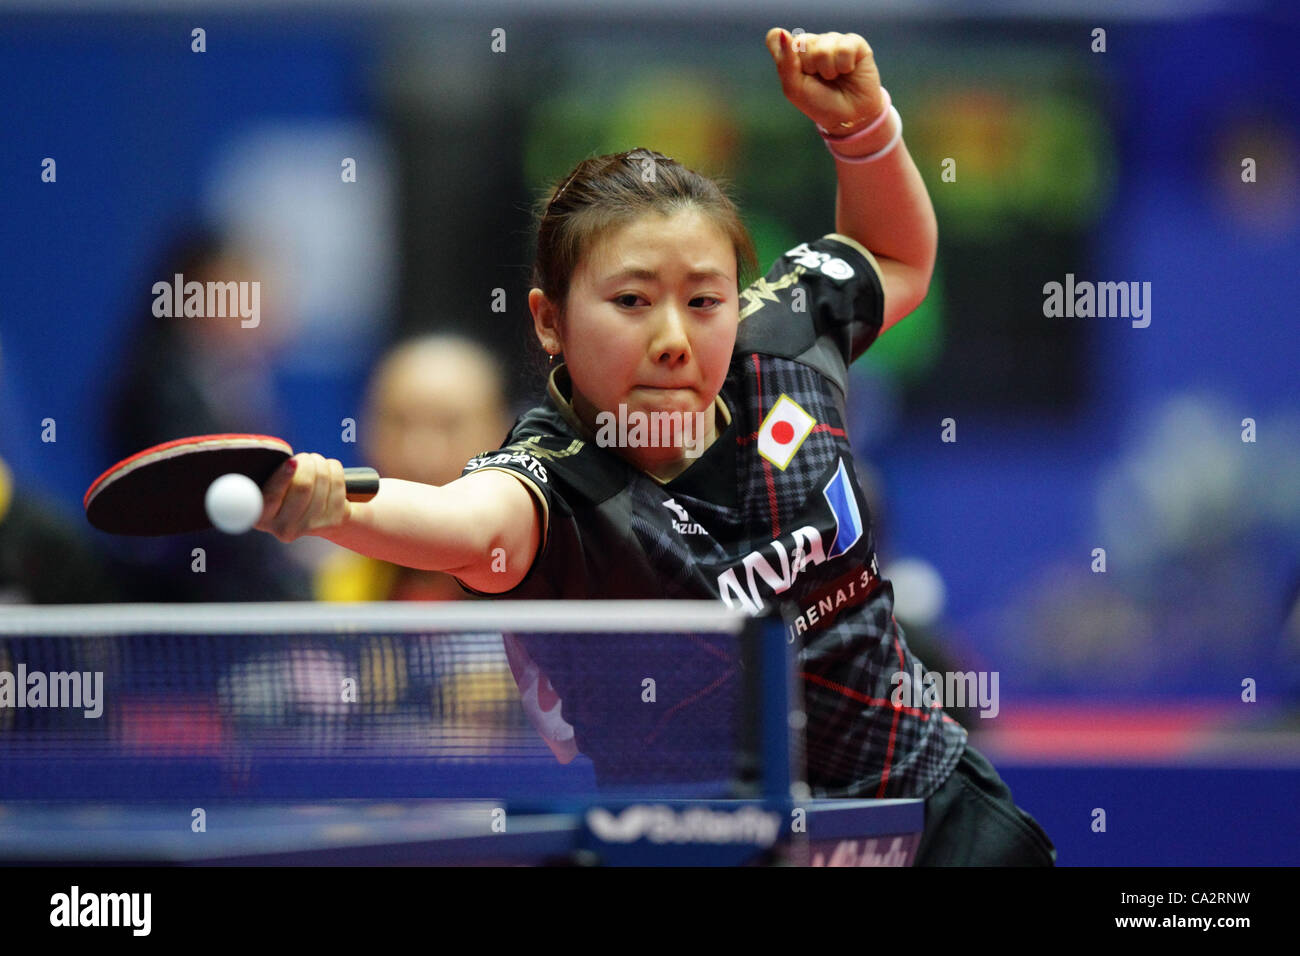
x=638 y=300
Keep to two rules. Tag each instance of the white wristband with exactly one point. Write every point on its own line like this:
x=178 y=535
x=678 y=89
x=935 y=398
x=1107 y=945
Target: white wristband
x=872 y=157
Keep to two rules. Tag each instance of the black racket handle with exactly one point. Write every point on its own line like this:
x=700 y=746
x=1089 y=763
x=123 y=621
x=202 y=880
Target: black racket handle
x=363 y=483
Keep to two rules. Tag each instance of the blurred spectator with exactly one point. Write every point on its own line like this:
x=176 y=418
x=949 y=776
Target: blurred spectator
x=433 y=403
x=44 y=558
x=919 y=600
x=194 y=375
x=1196 y=532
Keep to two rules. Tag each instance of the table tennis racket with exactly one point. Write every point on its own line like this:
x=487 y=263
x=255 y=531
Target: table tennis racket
x=161 y=489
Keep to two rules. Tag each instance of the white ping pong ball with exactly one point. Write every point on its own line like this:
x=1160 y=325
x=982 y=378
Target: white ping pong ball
x=233 y=503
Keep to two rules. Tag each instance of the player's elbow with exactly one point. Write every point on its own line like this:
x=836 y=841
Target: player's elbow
x=498 y=532
x=481 y=536
x=495 y=562
x=922 y=287
x=918 y=289
x=925 y=260
x=912 y=277
x=905 y=293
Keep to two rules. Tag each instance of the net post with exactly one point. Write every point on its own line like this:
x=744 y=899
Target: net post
x=769 y=760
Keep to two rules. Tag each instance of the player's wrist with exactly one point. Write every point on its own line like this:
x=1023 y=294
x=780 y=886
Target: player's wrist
x=873 y=141
x=880 y=146
x=854 y=126
x=332 y=530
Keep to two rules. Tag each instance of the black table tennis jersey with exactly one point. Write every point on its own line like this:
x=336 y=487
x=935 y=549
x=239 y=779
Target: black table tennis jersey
x=769 y=517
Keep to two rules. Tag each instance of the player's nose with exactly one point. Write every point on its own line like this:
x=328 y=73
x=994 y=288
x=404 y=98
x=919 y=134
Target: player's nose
x=670 y=346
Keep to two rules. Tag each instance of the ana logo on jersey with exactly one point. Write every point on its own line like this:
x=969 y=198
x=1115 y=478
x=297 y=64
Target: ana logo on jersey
x=783 y=431
x=823 y=262
x=685 y=525
x=793 y=553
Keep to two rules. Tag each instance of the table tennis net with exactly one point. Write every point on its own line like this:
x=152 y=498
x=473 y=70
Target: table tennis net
x=305 y=701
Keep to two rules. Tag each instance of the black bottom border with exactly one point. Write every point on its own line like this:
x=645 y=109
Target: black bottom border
x=335 y=904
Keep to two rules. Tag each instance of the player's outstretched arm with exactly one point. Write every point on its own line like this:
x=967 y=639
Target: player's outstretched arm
x=483 y=528
x=832 y=78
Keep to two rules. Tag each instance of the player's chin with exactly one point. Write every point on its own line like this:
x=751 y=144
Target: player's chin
x=652 y=458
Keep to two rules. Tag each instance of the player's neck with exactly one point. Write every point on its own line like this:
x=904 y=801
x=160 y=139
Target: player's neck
x=666 y=469
x=662 y=462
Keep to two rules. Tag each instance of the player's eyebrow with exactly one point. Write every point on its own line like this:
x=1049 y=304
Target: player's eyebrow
x=650 y=275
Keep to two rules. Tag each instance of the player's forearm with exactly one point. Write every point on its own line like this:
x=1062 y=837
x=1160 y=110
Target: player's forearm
x=884 y=204
x=416 y=525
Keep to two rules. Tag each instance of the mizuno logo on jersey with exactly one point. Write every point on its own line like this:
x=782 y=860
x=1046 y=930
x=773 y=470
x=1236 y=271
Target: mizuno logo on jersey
x=783 y=431
x=774 y=568
x=685 y=525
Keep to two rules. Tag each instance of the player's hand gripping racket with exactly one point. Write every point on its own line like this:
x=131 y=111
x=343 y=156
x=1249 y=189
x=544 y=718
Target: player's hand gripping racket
x=161 y=489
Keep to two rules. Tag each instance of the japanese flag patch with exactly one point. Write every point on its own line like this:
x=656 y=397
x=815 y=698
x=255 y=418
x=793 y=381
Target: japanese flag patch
x=783 y=431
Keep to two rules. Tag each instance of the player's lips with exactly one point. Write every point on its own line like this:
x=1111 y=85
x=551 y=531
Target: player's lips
x=659 y=396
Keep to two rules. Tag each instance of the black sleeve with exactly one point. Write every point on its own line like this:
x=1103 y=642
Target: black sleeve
x=527 y=460
x=587 y=547
x=821 y=303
